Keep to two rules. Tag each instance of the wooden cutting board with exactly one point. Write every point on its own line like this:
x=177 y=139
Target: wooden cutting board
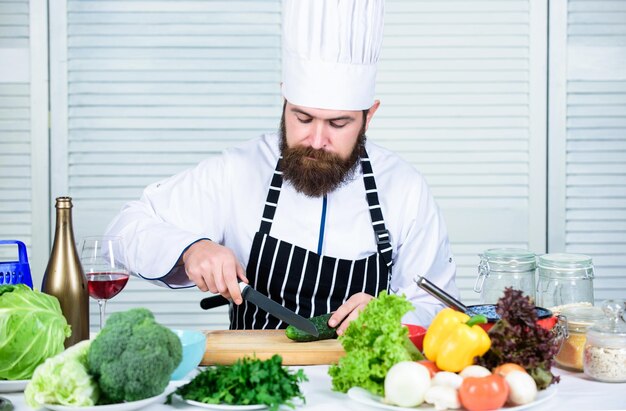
x=224 y=347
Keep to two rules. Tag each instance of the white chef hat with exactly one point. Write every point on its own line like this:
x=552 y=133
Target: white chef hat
x=330 y=51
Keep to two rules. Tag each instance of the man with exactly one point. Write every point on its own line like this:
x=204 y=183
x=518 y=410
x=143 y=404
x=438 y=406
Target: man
x=315 y=216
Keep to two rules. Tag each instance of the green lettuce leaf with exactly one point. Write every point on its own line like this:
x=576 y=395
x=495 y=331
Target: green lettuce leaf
x=374 y=342
x=32 y=327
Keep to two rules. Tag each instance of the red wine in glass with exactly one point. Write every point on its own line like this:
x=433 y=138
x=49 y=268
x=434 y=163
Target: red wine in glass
x=105 y=285
x=104 y=264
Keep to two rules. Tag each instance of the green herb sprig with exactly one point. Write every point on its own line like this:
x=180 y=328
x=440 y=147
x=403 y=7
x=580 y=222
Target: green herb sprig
x=248 y=381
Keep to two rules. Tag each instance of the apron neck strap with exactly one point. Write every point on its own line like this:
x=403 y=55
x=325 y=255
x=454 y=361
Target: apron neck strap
x=272 y=199
x=383 y=241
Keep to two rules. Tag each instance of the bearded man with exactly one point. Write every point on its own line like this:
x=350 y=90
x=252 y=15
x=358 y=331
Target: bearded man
x=314 y=216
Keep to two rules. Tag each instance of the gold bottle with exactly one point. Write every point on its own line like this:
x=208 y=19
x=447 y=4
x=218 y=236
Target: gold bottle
x=64 y=277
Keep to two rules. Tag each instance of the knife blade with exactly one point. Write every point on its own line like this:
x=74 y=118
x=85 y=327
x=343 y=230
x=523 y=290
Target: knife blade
x=277 y=310
x=265 y=303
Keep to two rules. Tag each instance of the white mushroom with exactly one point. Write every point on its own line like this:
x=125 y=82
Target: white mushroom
x=474 y=371
x=443 y=397
x=447 y=379
x=522 y=388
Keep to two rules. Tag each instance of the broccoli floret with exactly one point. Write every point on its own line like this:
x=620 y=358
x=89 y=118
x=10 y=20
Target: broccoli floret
x=133 y=356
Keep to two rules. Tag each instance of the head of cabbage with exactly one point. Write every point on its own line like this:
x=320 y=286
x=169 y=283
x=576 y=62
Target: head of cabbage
x=33 y=329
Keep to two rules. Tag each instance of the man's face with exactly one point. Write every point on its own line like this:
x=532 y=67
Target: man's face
x=320 y=148
x=332 y=131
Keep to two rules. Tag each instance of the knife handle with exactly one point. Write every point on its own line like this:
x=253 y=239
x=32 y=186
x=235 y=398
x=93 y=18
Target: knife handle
x=212 y=302
x=218 y=300
x=439 y=294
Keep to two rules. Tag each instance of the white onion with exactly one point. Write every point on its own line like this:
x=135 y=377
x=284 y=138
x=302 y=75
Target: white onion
x=406 y=384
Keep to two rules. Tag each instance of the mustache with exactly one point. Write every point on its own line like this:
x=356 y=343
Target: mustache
x=319 y=155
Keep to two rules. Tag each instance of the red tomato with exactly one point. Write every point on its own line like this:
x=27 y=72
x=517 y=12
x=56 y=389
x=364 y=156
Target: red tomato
x=484 y=393
x=431 y=366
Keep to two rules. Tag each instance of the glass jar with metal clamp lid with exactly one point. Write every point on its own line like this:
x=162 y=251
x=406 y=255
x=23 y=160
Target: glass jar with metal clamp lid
x=576 y=318
x=564 y=279
x=505 y=267
x=605 y=350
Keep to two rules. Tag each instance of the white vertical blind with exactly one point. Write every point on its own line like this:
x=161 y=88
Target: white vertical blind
x=457 y=81
x=152 y=88
x=14 y=23
x=143 y=89
x=15 y=144
x=592 y=207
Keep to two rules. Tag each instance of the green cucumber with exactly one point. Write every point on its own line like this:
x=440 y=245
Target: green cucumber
x=321 y=324
x=5 y=404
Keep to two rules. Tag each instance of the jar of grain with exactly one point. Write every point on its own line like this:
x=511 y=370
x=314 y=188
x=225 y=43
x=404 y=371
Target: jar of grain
x=577 y=318
x=604 y=358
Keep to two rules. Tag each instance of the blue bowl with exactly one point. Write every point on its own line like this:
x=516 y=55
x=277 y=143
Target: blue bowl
x=194 y=343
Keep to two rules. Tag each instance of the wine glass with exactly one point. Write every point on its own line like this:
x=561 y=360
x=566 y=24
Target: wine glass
x=105 y=267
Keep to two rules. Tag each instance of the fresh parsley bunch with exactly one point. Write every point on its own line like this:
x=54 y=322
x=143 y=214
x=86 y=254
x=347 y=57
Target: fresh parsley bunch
x=248 y=381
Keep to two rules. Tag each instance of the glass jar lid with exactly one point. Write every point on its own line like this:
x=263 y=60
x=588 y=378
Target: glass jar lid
x=509 y=259
x=612 y=331
x=566 y=265
x=581 y=317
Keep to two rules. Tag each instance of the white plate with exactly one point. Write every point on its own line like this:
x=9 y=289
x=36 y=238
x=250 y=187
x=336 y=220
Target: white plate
x=224 y=406
x=124 y=406
x=13 y=385
x=363 y=396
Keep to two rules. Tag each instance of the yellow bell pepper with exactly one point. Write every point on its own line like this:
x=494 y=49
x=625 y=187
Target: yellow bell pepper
x=442 y=325
x=454 y=339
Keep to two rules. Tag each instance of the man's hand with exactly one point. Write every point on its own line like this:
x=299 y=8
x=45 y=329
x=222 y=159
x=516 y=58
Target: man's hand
x=214 y=268
x=349 y=311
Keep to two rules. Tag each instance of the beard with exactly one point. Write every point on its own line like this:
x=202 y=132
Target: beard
x=314 y=172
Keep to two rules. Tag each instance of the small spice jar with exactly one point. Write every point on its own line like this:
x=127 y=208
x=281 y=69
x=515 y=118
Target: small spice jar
x=577 y=320
x=564 y=279
x=505 y=267
x=604 y=358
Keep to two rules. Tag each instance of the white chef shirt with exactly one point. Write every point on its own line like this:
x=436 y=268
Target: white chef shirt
x=223 y=197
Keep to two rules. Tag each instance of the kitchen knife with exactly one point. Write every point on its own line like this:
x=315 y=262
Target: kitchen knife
x=265 y=303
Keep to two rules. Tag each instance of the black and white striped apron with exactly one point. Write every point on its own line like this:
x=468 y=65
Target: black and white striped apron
x=304 y=281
